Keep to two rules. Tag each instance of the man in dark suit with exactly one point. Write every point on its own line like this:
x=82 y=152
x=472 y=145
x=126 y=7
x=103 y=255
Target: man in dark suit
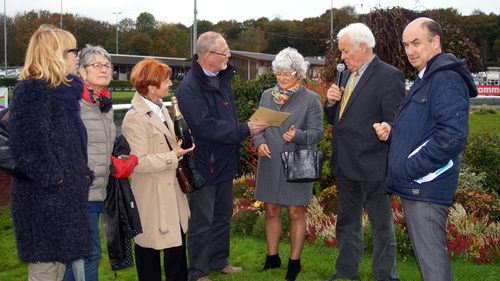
x=371 y=90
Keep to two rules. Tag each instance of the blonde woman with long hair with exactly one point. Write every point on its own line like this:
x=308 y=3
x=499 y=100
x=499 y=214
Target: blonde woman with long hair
x=48 y=140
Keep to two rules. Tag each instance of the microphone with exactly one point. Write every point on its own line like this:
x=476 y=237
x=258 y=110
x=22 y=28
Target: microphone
x=340 y=71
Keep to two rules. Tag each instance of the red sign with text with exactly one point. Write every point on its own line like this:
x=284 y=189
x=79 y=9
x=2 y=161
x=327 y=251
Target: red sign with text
x=488 y=90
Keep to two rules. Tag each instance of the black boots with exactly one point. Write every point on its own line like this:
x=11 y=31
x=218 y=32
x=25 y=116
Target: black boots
x=273 y=261
x=293 y=269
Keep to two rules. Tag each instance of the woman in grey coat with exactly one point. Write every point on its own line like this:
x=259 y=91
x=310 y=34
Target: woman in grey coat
x=303 y=128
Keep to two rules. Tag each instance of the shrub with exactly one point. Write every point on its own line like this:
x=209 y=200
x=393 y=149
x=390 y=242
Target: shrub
x=484 y=109
x=482 y=154
x=259 y=229
x=120 y=85
x=243 y=222
x=328 y=199
x=479 y=203
x=320 y=224
x=468 y=178
x=471 y=237
x=8 y=82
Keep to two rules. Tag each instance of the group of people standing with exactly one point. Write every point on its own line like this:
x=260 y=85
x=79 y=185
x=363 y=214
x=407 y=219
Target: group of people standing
x=384 y=142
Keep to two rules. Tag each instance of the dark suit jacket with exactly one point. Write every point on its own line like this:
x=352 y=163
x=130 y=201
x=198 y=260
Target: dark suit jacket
x=356 y=150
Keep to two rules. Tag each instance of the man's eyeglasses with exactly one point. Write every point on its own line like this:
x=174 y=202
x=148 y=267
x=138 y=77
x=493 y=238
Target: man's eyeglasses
x=75 y=50
x=287 y=75
x=220 y=54
x=98 y=65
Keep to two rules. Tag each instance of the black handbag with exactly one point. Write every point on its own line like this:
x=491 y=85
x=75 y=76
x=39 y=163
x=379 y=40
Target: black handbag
x=7 y=162
x=302 y=165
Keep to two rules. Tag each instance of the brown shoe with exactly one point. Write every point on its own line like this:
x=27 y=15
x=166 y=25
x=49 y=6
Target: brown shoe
x=231 y=269
x=204 y=278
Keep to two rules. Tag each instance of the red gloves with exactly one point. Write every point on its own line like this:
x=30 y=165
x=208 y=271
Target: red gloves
x=124 y=165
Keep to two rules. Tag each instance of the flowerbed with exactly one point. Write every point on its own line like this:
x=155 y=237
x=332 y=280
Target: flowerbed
x=473 y=234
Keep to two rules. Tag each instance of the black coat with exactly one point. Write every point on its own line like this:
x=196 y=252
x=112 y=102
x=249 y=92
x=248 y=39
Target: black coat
x=49 y=206
x=121 y=214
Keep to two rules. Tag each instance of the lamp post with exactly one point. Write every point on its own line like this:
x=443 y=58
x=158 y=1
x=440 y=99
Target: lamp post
x=195 y=29
x=5 y=34
x=117 y=13
x=331 y=20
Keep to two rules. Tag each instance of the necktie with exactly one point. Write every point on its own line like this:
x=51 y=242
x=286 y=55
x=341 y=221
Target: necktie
x=347 y=93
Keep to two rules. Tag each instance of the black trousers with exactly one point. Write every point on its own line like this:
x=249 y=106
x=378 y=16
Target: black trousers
x=148 y=263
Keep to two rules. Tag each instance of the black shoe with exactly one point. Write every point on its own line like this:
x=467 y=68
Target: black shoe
x=273 y=261
x=293 y=269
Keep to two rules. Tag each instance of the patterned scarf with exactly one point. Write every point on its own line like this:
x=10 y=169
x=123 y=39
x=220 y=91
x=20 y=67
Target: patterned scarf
x=102 y=99
x=281 y=96
x=159 y=102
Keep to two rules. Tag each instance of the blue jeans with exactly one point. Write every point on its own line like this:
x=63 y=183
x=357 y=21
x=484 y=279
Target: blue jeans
x=91 y=264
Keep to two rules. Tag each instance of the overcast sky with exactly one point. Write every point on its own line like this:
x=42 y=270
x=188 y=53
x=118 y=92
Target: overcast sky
x=182 y=11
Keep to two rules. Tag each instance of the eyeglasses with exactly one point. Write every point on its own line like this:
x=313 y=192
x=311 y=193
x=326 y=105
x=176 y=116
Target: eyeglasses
x=98 y=65
x=287 y=75
x=220 y=54
x=75 y=50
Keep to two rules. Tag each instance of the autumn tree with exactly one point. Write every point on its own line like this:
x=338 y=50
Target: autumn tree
x=387 y=26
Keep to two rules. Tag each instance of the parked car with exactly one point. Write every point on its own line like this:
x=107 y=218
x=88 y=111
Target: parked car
x=2 y=74
x=13 y=73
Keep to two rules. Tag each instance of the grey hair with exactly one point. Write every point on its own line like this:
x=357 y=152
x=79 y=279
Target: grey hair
x=88 y=54
x=291 y=59
x=358 y=33
x=207 y=42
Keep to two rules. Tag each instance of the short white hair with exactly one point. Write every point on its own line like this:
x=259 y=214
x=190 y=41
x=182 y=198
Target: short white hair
x=358 y=33
x=291 y=59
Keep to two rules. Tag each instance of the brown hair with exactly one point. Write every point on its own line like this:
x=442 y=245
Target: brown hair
x=149 y=72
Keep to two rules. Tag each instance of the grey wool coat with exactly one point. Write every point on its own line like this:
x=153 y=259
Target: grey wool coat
x=307 y=116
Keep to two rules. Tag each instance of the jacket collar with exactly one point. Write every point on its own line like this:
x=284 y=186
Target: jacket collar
x=143 y=109
x=226 y=74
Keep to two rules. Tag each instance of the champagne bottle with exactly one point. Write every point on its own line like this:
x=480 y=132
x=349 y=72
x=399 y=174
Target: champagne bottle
x=180 y=126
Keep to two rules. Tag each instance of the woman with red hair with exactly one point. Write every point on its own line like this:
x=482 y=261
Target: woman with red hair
x=163 y=208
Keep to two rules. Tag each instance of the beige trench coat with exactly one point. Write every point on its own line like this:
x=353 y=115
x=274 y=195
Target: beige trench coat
x=163 y=207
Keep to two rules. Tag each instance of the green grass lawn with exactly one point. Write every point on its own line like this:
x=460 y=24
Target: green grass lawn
x=484 y=122
x=249 y=253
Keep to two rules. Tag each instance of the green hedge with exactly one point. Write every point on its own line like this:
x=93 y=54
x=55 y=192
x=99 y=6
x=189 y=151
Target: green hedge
x=482 y=154
x=8 y=82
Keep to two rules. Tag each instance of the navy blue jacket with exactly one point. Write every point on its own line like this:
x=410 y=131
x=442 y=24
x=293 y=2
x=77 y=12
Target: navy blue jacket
x=49 y=206
x=212 y=118
x=435 y=112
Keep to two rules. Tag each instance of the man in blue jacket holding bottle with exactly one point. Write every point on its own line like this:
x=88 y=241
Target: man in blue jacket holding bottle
x=207 y=102
x=427 y=140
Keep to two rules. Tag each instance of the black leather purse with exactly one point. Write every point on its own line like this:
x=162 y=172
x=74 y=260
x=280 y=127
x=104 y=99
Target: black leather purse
x=7 y=162
x=302 y=165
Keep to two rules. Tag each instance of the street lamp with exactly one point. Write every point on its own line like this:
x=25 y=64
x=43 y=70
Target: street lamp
x=331 y=20
x=117 y=13
x=195 y=29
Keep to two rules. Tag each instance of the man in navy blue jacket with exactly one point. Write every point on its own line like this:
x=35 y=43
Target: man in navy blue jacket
x=427 y=140
x=206 y=101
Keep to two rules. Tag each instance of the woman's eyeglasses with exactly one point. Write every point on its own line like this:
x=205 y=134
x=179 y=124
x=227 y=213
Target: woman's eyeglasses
x=287 y=75
x=75 y=50
x=98 y=65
